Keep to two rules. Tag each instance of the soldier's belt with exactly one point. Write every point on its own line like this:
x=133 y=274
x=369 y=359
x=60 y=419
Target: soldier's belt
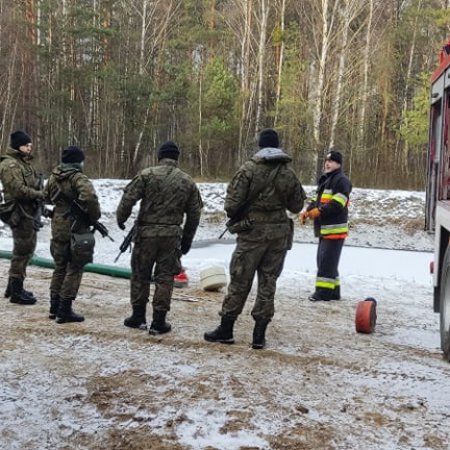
x=156 y=224
x=278 y=216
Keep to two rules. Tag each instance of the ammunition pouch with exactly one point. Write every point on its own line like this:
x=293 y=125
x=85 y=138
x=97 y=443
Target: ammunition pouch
x=82 y=248
x=11 y=213
x=239 y=227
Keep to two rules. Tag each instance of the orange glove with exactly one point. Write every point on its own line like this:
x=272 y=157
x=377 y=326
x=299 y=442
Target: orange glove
x=302 y=217
x=313 y=213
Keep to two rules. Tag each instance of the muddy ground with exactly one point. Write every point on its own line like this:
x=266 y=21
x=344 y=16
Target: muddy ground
x=318 y=385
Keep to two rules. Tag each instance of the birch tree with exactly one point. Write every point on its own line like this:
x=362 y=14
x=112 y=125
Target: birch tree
x=281 y=46
x=321 y=17
x=241 y=25
x=349 y=11
x=366 y=66
x=262 y=18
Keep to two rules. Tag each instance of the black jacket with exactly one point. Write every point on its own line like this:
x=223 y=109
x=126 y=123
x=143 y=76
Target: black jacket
x=332 y=197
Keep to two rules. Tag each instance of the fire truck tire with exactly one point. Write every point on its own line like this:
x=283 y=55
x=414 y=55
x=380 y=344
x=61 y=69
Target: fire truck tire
x=366 y=316
x=444 y=304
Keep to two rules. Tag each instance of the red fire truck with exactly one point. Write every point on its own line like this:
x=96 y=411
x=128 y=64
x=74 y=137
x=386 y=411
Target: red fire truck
x=437 y=212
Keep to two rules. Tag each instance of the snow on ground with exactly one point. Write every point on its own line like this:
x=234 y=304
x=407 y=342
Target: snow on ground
x=318 y=385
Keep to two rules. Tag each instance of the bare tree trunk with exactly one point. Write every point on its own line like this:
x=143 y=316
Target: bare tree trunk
x=318 y=97
x=141 y=134
x=200 y=118
x=336 y=98
x=147 y=23
x=350 y=10
x=142 y=43
x=280 y=61
x=245 y=77
x=261 y=60
x=366 y=66
x=412 y=49
x=94 y=119
x=9 y=110
x=124 y=125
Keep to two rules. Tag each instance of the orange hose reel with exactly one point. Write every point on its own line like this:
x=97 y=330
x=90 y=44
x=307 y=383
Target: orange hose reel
x=366 y=316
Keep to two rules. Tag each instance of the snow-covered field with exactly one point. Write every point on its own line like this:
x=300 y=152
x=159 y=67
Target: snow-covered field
x=318 y=385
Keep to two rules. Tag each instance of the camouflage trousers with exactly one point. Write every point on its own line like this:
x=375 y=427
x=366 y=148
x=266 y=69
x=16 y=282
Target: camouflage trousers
x=24 y=237
x=67 y=275
x=162 y=254
x=250 y=257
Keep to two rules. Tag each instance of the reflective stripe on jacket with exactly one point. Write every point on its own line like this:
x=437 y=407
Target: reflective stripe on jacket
x=333 y=193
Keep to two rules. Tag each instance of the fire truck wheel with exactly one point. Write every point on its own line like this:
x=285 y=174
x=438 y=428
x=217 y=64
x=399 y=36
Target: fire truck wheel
x=366 y=316
x=444 y=304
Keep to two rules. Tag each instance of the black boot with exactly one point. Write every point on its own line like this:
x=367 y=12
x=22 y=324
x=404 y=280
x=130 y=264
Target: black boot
x=159 y=324
x=259 y=334
x=137 y=319
x=17 y=294
x=336 y=295
x=223 y=333
x=65 y=313
x=54 y=305
x=25 y=293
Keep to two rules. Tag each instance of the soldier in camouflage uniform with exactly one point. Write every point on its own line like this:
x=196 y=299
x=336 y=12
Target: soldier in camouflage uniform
x=263 y=237
x=167 y=196
x=67 y=183
x=20 y=185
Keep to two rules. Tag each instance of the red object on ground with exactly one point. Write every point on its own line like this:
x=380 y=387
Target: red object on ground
x=181 y=280
x=366 y=316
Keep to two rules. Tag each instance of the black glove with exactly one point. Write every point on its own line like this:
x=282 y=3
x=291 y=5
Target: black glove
x=185 y=246
x=121 y=225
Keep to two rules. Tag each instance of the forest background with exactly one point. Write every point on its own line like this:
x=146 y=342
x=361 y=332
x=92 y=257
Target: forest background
x=118 y=77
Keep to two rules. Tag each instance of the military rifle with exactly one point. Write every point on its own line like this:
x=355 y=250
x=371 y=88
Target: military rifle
x=40 y=209
x=239 y=215
x=77 y=212
x=126 y=242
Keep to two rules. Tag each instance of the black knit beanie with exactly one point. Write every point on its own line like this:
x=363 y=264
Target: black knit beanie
x=268 y=138
x=19 y=138
x=72 y=154
x=169 y=150
x=334 y=155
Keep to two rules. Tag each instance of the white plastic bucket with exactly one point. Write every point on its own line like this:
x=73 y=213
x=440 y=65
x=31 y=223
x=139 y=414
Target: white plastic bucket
x=213 y=278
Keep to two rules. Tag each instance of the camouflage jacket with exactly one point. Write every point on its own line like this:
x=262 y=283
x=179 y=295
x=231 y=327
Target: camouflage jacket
x=267 y=212
x=167 y=195
x=74 y=185
x=19 y=180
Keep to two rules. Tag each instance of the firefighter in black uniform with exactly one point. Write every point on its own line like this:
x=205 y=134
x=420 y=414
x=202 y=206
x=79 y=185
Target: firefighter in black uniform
x=329 y=210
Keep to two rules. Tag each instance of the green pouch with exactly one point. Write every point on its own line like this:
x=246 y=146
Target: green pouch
x=82 y=248
x=9 y=213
